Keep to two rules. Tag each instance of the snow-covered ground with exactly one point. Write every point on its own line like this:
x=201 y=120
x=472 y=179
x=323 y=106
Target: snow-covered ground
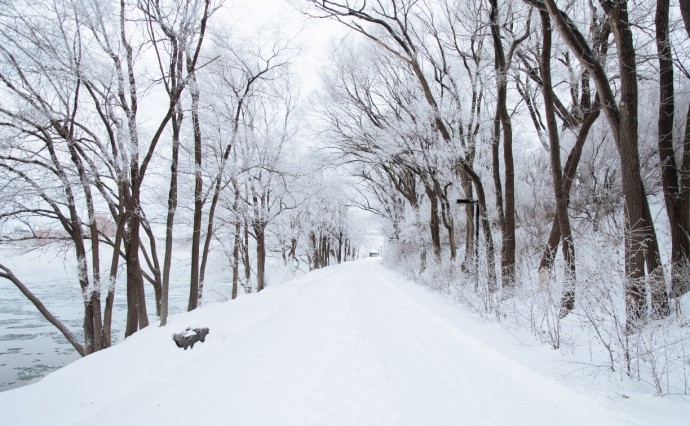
x=353 y=344
x=31 y=347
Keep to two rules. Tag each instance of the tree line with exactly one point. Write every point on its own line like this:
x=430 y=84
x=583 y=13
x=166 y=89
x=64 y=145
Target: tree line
x=152 y=116
x=424 y=103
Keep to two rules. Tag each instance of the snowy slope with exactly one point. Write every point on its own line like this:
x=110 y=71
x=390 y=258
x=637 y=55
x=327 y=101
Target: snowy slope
x=346 y=345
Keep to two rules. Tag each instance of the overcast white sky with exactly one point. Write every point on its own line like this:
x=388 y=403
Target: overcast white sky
x=312 y=36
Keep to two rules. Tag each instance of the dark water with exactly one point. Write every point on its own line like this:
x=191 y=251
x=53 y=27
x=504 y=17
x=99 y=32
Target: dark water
x=31 y=347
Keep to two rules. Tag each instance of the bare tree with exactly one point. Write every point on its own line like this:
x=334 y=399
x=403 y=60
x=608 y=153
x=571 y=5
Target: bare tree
x=673 y=175
x=390 y=27
x=502 y=63
x=641 y=243
x=239 y=76
x=568 y=298
x=183 y=28
x=57 y=140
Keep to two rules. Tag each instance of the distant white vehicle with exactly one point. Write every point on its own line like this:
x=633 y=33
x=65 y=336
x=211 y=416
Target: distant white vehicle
x=373 y=253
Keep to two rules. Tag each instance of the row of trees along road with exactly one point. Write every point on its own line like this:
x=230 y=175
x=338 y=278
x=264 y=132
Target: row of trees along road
x=150 y=116
x=150 y=113
x=430 y=87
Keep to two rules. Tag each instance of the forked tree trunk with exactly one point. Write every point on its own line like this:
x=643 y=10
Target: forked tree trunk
x=569 y=172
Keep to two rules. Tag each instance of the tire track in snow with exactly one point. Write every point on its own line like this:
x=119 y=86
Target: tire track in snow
x=457 y=377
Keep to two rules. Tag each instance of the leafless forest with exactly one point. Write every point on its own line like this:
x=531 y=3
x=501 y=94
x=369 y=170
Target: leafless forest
x=529 y=157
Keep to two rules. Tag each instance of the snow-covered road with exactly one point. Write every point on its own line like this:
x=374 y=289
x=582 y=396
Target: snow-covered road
x=347 y=345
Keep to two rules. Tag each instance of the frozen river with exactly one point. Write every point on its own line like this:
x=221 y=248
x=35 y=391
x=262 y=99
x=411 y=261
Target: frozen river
x=31 y=347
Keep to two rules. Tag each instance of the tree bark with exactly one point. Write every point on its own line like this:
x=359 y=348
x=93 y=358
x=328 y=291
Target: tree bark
x=570 y=170
x=508 y=223
x=640 y=236
x=434 y=222
x=259 y=229
x=496 y=166
x=675 y=180
x=245 y=254
x=112 y=280
x=560 y=193
x=685 y=13
x=137 y=317
x=469 y=227
x=236 y=260
x=196 y=286
x=170 y=217
x=676 y=196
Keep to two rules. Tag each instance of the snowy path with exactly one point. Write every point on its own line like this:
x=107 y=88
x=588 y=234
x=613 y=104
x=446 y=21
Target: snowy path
x=341 y=346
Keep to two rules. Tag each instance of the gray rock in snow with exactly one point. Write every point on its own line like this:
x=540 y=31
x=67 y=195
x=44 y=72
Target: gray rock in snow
x=190 y=336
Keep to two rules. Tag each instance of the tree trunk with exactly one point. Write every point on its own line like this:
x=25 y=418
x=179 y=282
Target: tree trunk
x=136 y=304
x=170 y=217
x=640 y=236
x=314 y=263
x=640 y=225
x=434 y=222
x=561 y=195
x=685 y=13
x=112 y=280
x=340 y=247
x=236 y=260
x=496 y=166
x=675 y=194
x=675 y=180
x=446 y=216
x=154 y=266
x=194 y=292
x=508 y=223
x=260 y=256
x=245 y=252
x=571 y=164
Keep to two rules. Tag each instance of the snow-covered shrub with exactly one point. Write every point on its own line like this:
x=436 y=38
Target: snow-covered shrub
x=659 y=356
x=593 y=336
x=603 y=314
x=536 y=306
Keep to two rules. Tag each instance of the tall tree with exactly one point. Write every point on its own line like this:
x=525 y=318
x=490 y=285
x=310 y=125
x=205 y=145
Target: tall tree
x=183 y=28
x=674 y=176
x=239 y=77
x=502 y=61
x=641 y=247
x=561 y=195
x=53 y=140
